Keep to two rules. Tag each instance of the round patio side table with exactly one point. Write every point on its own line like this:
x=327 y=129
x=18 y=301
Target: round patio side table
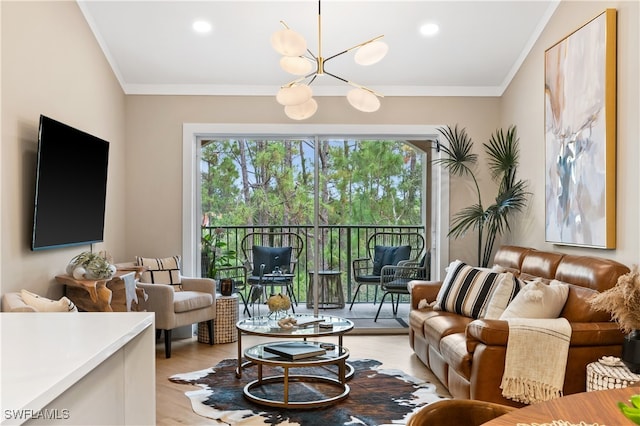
x=330 y=291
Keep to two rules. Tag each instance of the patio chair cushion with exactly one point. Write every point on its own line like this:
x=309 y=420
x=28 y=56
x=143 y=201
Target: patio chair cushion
x=368 y=278
x=389 y=255
x=270 y=257
x=160 y=270
x=398 y=285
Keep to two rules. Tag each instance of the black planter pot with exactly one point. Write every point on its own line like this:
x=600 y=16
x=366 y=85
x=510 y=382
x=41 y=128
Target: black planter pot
x=631 y=351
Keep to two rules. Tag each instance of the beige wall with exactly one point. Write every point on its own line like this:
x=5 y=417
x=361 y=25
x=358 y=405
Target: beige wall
x=52 y=65
x=523 y=104
x=59 y=70
x=154 y=146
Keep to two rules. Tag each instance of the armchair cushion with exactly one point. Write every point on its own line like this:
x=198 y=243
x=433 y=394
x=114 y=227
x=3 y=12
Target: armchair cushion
x=466 y=290
x=389 y=255
x=270 y=257
x=160 y=270
x=185 y=301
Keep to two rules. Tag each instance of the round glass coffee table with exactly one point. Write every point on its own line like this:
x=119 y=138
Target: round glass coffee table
x=265 y=326
x=328 y=386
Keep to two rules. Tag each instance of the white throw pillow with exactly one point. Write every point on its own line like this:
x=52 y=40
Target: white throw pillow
x=538 y=300
x=42 y=304
x=506 y=290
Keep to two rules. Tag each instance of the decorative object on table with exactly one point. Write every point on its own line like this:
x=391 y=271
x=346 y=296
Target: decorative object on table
x=287 y=323
x=623 y=302
x=226 y=286
x=632 y=413
x=502 y=152
x=278 y=305
x=216 y=253
x=90 y=266
x=220 y=397
x=580 y=136
x=611 y=361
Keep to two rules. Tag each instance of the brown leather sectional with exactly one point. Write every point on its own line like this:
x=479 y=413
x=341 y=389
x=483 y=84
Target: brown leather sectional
x=468 y=355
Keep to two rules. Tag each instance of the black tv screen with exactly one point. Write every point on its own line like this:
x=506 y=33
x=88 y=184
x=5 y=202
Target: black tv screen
x=71 y=186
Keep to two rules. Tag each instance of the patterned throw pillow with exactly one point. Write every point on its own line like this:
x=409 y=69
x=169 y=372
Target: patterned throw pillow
x=502 y=295
x=466 y=290
x=160 y=270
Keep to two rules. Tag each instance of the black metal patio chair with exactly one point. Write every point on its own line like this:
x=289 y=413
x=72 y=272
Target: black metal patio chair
x=385 y=249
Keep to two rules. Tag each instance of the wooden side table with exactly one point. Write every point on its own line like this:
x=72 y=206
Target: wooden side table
x=118 y=293
x=601 y=376
x=330 y=291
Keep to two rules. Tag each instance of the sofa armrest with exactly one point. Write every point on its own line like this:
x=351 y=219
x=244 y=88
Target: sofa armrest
x=596 y=334
x=203 y=285
x=423 y=290
x=496 y=333
x=12 y=302
x=490 y=332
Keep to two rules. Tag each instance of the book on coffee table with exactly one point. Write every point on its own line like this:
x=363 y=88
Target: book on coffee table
x=295 y=350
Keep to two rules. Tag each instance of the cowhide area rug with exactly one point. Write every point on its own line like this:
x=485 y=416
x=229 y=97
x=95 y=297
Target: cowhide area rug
x=378 y=397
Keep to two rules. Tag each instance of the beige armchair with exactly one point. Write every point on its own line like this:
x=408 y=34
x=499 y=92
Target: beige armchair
x=178 y=301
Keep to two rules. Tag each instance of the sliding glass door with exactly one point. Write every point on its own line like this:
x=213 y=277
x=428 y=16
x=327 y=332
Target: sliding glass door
x=333 y=192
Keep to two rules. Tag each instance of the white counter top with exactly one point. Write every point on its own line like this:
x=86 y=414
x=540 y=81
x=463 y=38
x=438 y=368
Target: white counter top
x=43 y=354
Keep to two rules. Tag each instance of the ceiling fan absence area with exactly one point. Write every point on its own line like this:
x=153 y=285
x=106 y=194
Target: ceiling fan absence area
x=297 y=59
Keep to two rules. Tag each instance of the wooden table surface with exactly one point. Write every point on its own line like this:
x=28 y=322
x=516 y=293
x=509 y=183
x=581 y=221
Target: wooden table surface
x=592 y=408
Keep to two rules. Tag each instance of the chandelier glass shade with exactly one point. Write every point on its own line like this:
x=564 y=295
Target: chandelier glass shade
x=297 y=59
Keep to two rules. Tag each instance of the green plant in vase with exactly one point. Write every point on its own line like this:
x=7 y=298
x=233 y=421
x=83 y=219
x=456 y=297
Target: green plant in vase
x=217 y=251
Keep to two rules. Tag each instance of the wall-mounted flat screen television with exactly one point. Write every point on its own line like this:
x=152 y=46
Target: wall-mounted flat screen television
x=71 y=186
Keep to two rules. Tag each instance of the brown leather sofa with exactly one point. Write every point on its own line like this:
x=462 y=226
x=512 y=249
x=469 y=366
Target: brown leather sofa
x=468 y=355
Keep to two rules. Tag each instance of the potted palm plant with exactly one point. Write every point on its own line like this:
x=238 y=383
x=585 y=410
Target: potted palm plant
x=502 y=152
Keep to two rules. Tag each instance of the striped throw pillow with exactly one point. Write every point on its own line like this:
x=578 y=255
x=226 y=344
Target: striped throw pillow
x=506 y=290
x=466 y=290
x=160 y=270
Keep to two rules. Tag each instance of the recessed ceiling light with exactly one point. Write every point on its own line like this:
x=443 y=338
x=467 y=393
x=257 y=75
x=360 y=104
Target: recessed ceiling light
x=429 y=30
x=201 y=26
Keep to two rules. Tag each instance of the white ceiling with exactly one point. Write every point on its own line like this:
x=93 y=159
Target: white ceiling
x=153 y=49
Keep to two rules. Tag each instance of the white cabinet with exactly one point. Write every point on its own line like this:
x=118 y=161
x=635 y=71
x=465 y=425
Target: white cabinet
x=78 y=368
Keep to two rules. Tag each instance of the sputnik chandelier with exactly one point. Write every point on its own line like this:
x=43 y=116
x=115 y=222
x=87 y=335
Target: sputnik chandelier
x=297 y=96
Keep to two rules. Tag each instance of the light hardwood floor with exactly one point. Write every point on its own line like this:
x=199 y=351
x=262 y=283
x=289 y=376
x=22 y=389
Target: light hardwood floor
x=173 y=407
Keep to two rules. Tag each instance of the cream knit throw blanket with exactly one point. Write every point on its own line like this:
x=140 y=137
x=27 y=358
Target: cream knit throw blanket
x=536 y=359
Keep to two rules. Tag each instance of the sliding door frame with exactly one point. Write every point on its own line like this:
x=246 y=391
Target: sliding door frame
x=193 y=132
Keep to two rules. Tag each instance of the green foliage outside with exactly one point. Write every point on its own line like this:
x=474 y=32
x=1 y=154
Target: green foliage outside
x=271 y=182
x=263 y=182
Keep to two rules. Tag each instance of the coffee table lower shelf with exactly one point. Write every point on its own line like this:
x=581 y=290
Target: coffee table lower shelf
x=337 y=357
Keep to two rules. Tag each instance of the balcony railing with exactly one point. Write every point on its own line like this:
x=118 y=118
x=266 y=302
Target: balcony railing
x=339 y=245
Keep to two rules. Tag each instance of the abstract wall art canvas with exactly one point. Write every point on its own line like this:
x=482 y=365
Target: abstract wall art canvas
x=580 y=136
